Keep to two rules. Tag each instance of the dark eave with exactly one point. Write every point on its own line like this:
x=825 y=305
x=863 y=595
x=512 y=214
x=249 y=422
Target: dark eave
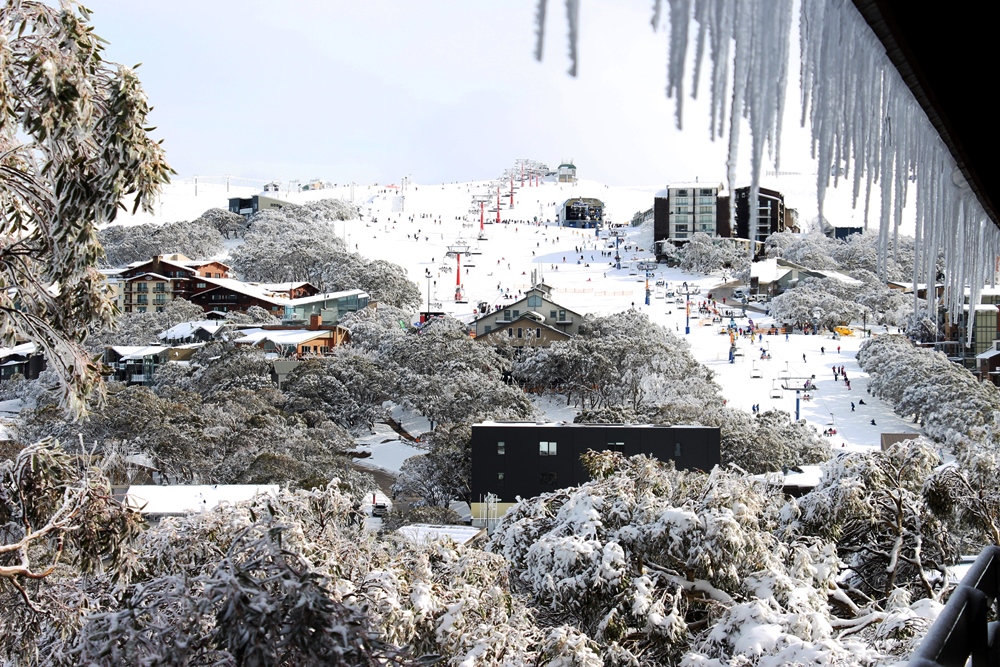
x=944 y=54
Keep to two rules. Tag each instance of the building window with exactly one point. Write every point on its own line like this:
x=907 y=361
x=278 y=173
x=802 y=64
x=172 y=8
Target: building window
x=141 y=309
x=538 y=332
x=506 y=315
x=547 y=479
x=546 y=448
x=520 y=332
x=202 y=285
x=501 y=448
x=218 y=275
x=552 y=314
x=142 y=287
x=616 y=446
x=517 y=314
x=510 y=333
x=534 y=301
x=500 y=480
x=487 y=328
x=562 y=315
x=677 y=450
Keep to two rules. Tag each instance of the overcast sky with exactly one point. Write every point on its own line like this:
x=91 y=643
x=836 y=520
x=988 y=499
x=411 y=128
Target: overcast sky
x=445 y=90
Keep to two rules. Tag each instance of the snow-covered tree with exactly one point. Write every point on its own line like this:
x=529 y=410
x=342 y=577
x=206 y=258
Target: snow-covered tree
x=619 y=360
x=664 y=567
x=124 y=244
x=143 y=328
x=73 y=136
x=943 y=397
x=825 y=296
x=53 y=510
x=227 y=223
x=705 y=254
x=873 y=505
x=348 y=386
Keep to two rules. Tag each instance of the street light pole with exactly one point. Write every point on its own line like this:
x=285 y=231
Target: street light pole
x=427 y=274
x=687 y=310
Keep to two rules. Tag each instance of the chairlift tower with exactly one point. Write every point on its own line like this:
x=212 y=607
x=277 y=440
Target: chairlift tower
x=456 y=250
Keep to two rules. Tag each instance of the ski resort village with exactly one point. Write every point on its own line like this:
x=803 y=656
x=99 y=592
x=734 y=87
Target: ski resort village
x=525 y=415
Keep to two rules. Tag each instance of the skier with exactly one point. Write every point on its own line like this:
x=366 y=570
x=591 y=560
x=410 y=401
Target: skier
x=852 y=406
x=873 y=423
x=803 y=358
x=822 y=350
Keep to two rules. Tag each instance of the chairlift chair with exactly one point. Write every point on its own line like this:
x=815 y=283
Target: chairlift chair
x=776 y=391
x=755 y=371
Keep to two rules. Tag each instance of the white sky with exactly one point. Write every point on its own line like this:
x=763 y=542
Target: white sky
x=443 y=91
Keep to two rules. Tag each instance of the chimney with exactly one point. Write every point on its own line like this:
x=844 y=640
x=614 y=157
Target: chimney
x=314 y=321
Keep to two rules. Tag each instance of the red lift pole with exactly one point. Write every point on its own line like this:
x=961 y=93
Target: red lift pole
x=458 y=277
x=522 y=174
x=482 y=208
x=498 y=204
x=512 y=190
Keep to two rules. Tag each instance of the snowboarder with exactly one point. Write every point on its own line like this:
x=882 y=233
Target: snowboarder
x=873 y=423
x=861 y=402
x=803 y=358
x=852 y=406
x=822 y=350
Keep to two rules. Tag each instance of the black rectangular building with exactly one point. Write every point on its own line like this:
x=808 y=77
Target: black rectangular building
x=525 y=459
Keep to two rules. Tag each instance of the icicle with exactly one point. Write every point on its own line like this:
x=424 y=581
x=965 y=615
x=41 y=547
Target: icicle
x=861 y=116
x=573 y=21
x=540 y=28
x=680 y=11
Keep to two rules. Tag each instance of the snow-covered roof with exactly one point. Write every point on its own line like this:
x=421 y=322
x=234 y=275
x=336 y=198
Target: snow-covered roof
x=23 y=348
x=187 y=499
x=256 y=291
x=982 y=308
x=286 y=337
x=281 y=287
x=768 y=271
x=426 y=532
x=837 y=275
x=185 y=329
x=988 y=354
x=147 y=276
x=692 y=186
x=137 y=351
x=325 y=297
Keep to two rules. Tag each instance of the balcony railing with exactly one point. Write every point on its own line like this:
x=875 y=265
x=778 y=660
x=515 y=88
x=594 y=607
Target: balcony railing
x=962 y=630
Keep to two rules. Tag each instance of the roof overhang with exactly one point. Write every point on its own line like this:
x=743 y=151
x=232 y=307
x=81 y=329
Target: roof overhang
x=931 y=50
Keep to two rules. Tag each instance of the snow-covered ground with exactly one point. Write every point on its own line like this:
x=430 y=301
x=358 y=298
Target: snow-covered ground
x=415 y=228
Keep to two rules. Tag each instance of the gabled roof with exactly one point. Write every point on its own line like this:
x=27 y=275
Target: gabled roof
x=147 y=276
x=286 y=337
x=185 y=329
x=524 y=300
x=25 y=349
x=137 y=351
x=528 y=322
x=241 y=287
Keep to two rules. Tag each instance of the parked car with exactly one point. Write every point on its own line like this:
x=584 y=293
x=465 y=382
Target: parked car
x=739 y=294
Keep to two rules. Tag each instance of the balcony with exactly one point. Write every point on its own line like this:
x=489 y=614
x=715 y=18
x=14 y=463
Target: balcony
x=963 y=629
x=565 y=320
x=140 y=379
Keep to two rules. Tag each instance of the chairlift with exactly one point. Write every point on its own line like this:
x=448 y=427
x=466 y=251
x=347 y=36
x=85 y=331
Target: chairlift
x=755 y=371
x=776 y=391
